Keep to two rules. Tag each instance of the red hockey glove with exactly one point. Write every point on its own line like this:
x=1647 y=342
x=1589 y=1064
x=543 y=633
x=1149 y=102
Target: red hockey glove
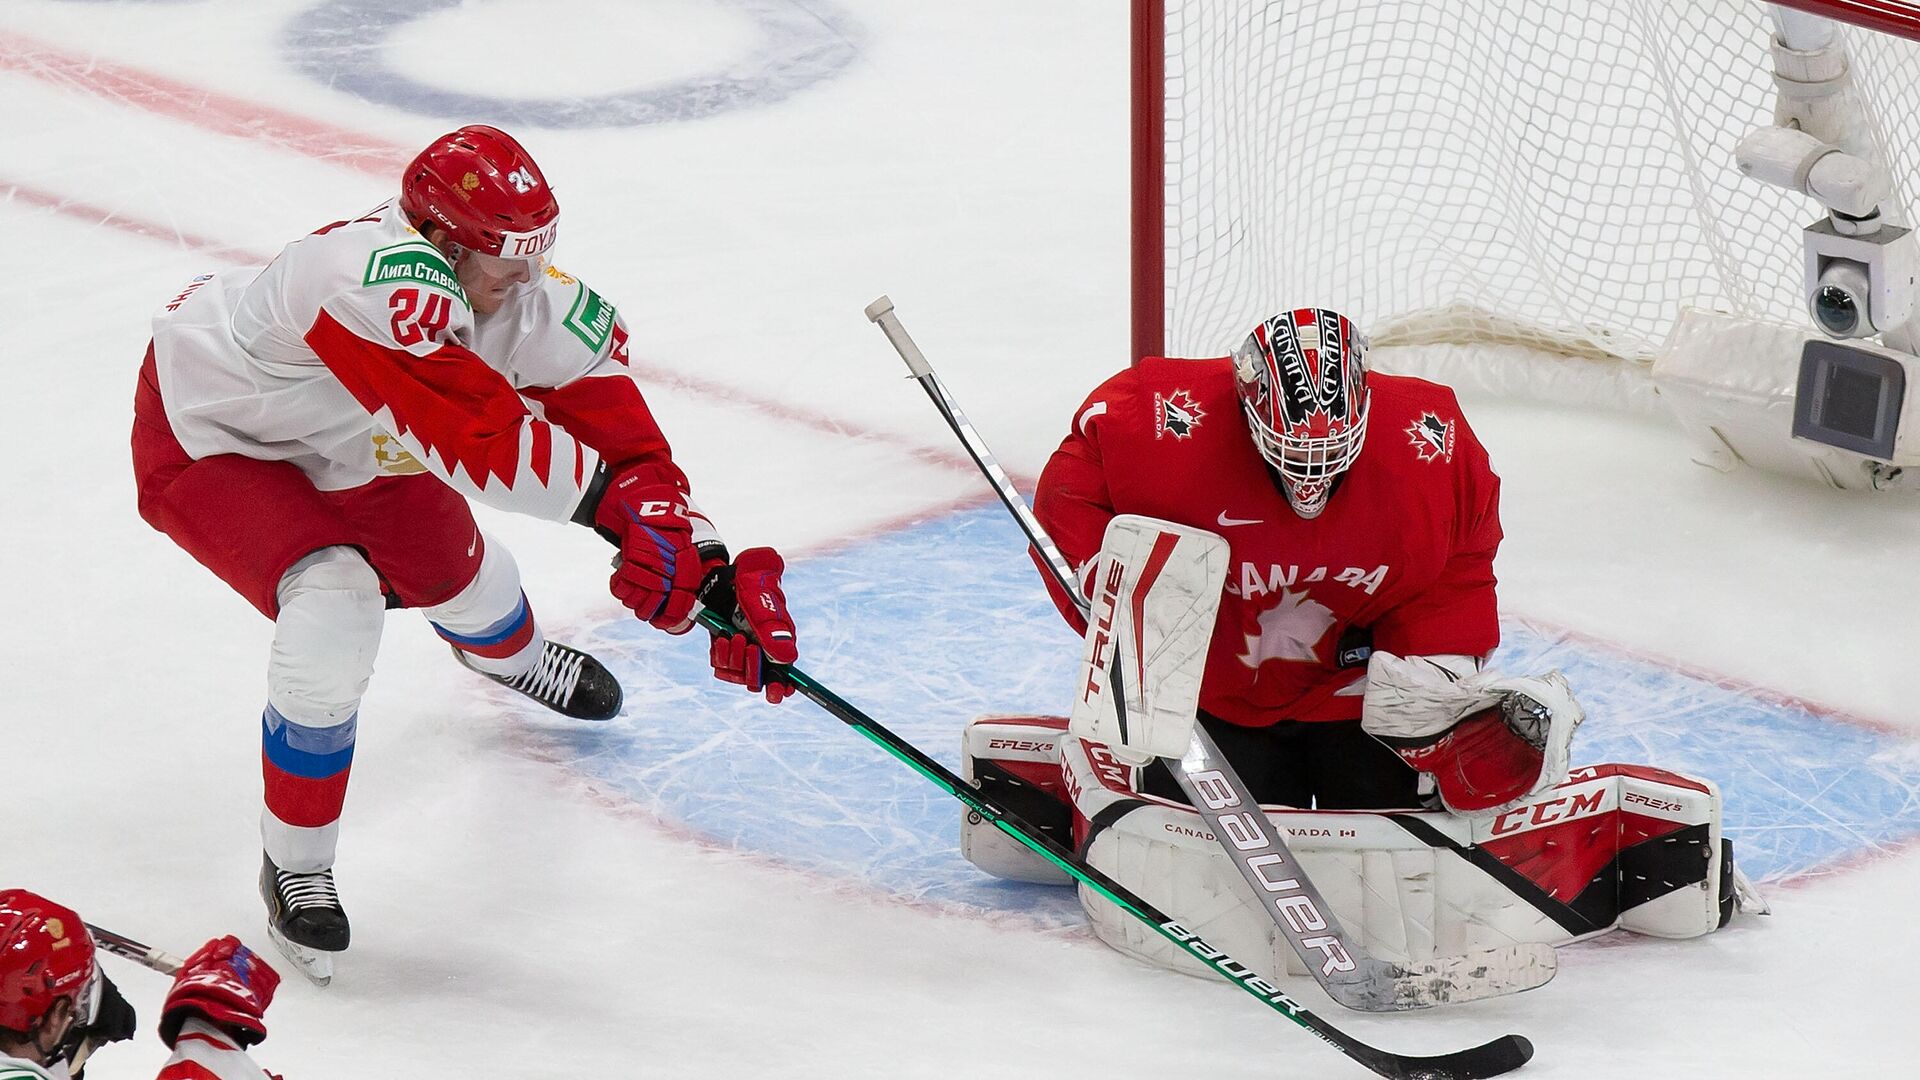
x=228 y=984
x=659 y=570
x=748 y=594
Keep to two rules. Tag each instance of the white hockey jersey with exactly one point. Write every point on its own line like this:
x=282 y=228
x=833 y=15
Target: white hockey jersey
x=202 y=1052
x=355 y=354
x=12 y=1068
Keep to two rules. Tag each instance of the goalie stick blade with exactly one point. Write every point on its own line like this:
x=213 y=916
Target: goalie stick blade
x=1379 y=986
x=1495 y=1058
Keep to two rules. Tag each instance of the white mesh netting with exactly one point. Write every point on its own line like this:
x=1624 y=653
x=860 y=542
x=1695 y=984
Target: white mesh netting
x=1486 y=170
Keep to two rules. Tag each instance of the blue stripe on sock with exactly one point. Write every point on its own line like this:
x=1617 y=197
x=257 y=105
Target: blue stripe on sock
x=312 y=753
x=495 y=634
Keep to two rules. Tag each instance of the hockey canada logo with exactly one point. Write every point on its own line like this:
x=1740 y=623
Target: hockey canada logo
x=1176 y=414
x=1432 y=438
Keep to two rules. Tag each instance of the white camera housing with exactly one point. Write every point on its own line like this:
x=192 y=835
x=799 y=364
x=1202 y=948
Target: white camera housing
x=1876 y=272
x=1735 y=386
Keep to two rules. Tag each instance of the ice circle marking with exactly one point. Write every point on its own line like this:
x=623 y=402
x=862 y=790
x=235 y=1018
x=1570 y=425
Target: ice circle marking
x=341 y=44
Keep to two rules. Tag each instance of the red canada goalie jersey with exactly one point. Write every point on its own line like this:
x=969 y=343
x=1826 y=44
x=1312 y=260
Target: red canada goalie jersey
x=1401 y=559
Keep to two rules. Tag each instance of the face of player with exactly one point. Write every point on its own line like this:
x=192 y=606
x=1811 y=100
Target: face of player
x=43 y=1044
x=488 y=278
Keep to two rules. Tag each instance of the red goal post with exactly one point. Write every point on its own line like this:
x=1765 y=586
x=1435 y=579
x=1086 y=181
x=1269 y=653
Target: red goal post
x=1474 y=169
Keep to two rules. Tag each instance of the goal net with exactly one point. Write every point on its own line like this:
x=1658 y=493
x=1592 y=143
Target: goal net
x=1558 y=173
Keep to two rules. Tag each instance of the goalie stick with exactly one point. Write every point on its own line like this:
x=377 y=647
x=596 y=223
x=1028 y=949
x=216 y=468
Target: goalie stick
x=1492 y=1058
x=1348 y=975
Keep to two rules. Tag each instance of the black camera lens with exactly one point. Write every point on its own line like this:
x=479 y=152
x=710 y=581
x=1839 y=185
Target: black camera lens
x=1834 y=307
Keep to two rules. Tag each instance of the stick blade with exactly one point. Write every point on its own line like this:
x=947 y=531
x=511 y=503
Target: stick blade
x=1495 y=1058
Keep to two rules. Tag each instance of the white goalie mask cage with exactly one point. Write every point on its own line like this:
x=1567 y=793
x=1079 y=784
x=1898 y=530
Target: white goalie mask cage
x=1302 y=381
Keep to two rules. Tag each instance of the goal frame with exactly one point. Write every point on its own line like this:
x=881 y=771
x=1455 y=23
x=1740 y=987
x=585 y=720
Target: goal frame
x=1148 y=139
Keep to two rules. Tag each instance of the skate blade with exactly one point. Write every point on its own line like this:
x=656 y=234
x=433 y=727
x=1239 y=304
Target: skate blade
x=317 y=966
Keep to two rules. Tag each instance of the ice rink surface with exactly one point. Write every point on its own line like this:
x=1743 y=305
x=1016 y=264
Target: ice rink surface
x=707 y=887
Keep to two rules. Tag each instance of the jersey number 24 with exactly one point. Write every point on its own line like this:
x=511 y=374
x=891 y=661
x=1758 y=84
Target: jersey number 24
x=415 y=322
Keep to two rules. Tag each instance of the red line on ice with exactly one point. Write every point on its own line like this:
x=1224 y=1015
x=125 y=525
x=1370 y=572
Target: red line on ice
x=113 y=219
x=207 y=109
x=659 y=374
x=1725 y=682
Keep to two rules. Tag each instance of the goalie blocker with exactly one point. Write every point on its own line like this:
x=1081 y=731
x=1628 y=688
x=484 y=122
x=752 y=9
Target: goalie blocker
x=1615 y=847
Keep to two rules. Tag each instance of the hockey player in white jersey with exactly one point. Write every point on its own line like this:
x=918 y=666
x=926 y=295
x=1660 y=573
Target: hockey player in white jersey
x=310 y=431
x=53 y=998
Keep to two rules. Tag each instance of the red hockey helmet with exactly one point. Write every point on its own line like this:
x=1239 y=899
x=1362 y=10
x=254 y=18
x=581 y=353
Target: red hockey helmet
x=481 y=185
x=1302 y=382
x=45 y=954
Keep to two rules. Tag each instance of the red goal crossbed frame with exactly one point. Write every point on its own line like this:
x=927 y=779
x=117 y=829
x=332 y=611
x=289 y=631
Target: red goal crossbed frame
x=1898 y=17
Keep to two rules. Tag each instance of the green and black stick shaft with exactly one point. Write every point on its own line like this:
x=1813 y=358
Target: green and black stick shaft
x=1493 y=1058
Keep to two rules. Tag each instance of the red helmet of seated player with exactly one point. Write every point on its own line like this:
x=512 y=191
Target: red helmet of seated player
x=482 y=186
x=45 y=954
x=1302 y=381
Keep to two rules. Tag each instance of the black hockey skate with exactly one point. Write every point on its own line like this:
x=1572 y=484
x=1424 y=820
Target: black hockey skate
x=304 y=918
x=565 y=680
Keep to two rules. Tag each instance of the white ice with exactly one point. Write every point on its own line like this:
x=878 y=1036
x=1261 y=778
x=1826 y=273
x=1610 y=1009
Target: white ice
x=513 y=917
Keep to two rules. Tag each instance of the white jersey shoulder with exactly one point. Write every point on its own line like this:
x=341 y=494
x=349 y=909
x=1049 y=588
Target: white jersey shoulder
x=12 y=1068
x=363 y=273
x=552 y=330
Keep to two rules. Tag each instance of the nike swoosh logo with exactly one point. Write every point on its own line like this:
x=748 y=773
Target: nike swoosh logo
x=1228 y=522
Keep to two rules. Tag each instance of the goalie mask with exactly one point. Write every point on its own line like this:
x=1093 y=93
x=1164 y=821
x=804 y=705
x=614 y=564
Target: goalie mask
x=1302 y=381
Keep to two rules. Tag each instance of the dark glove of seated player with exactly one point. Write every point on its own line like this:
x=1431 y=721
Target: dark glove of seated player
x=225 y=983
x=747 y=594
x=659 y=571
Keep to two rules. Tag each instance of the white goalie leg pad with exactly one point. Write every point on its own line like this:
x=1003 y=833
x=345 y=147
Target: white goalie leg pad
x=1617 y=846
x=1156 y=592
x=1015 y=761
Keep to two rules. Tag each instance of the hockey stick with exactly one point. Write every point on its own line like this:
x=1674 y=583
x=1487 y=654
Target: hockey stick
x=1493 y=1058
x=128 y=949
x=1349 y=976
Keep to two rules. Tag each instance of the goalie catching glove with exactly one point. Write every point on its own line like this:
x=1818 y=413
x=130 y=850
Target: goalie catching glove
x=1490 y=741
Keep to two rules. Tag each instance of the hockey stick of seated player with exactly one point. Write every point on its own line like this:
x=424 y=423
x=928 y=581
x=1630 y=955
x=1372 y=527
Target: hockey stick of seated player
x=128 y=949
x=1492 y=1058
x=1349 y=976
